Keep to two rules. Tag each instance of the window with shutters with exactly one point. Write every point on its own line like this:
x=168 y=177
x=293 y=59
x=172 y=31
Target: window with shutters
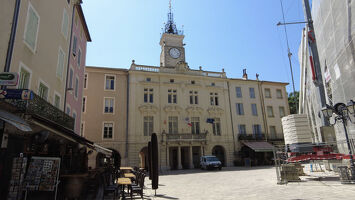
x=24 y=79
x=148 y=95
x=109 y=82
x=272 y=132
x=31 y=28
x=214 y=99
x=79 y=57
x=238 y=91
x=56 y=102
x=109 y=104
x=267 y=93
x=193 y=97
x=252 y=93
x=84 y=105
x=108 y=131
x=43 y=91
x=270 y=111
x=172 y=96
x=240 y=109
x=216 y=126
x=256 y=130
x=86 y=80
x=76 y=90
x=173 y=124
x=279 y=94
x=60 y=63
x=148 y=123
x=75 y=41
x=254 y=109
x=71 y=74
x=195 y=125
x=282 y=111
x=74 y=117
x=65 y=24
x=242 y=129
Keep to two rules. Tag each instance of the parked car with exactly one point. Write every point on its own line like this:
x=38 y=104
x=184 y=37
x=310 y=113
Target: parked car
x=210 y=162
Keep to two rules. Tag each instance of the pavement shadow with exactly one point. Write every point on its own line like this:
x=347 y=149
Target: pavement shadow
x=165 y=197
x=194 y=171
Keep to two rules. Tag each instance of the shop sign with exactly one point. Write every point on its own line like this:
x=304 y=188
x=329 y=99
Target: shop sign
x=8 y=78
x=16 y=94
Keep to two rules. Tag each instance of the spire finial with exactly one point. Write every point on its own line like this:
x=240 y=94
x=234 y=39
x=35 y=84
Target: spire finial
x=170 y=26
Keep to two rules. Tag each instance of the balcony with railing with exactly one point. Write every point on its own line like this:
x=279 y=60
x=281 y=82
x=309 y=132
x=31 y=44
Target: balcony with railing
x=252 y=137
x=40 y=107
x=179 y=137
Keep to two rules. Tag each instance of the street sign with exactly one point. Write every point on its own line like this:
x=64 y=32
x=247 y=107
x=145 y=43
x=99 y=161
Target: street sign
x=16 y=94
x=8 y=78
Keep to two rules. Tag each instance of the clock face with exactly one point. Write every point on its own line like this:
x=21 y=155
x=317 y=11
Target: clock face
x=174 y=52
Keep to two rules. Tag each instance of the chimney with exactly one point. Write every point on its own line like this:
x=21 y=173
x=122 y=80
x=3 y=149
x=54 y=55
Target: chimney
x=245 y=75
x=257 y=76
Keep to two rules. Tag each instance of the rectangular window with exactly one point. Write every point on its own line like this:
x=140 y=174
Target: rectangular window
x=24 y=79
x=239 y=92
x=65 y=24
x=60 y=63
x=242 y=129
x=74 y=117
x=31 y=30
x=193 y=97
x=270 y=111
x=216 y=126
x=272 y=132
x=278 y=94
x=85 y=81
x=195 y=128
x=109 y=102
x=240 y=109
x=252 y=93
x=110 y=83
x=173 y=125
x=82 y=126
x=56 y=100
x=214 y=99
x=108 y=131
x=43 y=91
x=282 y=111
x=71 y=74
x=267 y=93
x=256 y=130
x=84 y=104
x=79 y=57
x=75 y=41
x=76 y=87
x=148 y=125
x=148 y=95
x=68 y=110
x=172 y=96
x=254 y=109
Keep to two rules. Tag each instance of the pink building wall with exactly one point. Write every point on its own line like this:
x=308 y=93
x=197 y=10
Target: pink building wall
x=81 y=33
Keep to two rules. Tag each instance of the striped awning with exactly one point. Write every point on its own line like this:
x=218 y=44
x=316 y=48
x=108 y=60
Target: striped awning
x=260 y=146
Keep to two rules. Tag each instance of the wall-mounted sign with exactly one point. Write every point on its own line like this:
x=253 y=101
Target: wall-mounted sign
x=16 y=94
x=8 y=78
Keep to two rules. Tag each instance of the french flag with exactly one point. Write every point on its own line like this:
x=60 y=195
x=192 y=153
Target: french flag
x=187 y=120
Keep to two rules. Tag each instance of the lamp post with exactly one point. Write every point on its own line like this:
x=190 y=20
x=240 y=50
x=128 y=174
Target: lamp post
x=343 y=113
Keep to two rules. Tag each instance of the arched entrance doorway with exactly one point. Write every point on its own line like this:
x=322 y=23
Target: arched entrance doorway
x=143 y=155
x=116 y=158
x=218 y=151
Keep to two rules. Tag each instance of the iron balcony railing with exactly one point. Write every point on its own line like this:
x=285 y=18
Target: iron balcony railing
x=40 y=107
x=260 y=136
x=185 y=136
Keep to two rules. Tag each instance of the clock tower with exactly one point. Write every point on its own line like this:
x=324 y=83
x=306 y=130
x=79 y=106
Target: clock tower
x=172 y=46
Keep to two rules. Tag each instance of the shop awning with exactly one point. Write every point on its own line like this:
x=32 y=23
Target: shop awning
x=103 y=150
x=15 y=120
x=260 y=146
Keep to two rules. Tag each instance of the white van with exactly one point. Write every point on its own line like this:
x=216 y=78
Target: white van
x=210 y=162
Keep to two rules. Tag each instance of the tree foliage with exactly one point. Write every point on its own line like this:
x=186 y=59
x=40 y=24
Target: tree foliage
x=293 y=102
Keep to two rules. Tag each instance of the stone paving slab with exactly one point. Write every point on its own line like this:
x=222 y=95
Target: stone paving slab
x=245 y=183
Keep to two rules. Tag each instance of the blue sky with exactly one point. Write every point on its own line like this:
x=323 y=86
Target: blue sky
x=229 y=34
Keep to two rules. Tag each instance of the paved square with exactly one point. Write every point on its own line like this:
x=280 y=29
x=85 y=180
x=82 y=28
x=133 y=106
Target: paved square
x=245 y=183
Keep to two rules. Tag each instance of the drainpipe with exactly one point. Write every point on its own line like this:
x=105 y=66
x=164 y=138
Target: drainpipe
x=69 y=52
x=261 y=95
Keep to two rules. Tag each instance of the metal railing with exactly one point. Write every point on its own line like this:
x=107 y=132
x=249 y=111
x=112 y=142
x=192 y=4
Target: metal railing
x=40 y=107
x=260 y=136
x=185 y=136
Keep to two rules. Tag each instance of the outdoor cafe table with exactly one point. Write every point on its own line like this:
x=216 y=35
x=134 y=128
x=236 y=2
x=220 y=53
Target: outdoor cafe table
x=129 y=175
x=123 y=182
x=126 y=168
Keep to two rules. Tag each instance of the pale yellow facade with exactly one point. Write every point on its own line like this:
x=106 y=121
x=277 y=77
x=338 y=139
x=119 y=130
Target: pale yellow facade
x=94 y=115
x=42 y=23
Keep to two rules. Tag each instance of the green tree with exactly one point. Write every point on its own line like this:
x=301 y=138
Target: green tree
x=293 y=102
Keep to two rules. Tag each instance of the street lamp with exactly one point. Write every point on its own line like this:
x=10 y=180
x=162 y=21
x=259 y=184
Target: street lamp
x=342 y=112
